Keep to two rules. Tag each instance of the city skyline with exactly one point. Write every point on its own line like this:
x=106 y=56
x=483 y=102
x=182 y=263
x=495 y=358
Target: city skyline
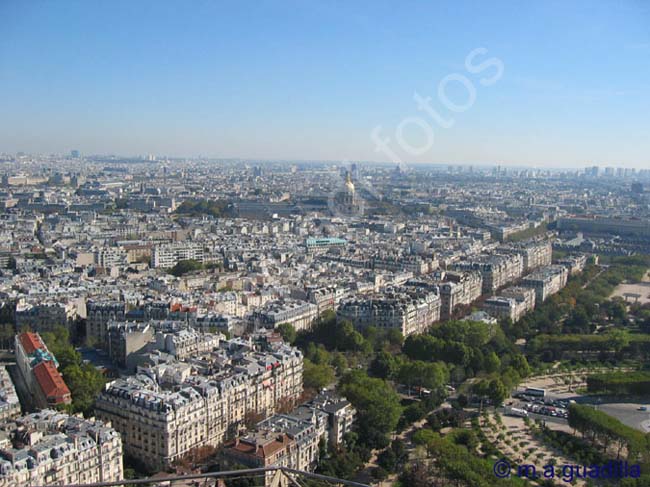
x=602 y=170
x=293 y=81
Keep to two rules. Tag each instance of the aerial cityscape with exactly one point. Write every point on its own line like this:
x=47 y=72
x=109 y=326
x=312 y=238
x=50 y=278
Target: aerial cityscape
x=370 y=293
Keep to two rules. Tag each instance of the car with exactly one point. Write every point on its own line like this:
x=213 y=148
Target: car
x=642 y=408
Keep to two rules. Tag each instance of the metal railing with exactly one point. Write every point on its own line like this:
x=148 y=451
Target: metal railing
x=268 y=477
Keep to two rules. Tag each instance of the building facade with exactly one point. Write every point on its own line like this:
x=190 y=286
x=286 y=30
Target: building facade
x=497 y=270
x=168 y=255
x=409 y=312
x=98 y=315
x=546 y=281
x=52 y=448
x=512 y=303
x=229 y=386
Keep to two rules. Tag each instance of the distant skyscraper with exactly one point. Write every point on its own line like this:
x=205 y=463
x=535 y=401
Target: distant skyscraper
x=354 y=169
x=74 y=154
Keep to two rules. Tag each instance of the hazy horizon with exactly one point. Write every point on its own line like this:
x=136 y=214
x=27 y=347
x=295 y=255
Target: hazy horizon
x=550 y=85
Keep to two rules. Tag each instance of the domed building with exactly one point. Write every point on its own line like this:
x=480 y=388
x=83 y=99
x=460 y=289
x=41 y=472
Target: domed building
x=346 y=201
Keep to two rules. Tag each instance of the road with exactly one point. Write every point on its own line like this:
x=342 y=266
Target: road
x=628 y=414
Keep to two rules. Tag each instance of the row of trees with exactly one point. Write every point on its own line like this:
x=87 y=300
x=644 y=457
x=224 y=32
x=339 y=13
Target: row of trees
x=606 y=431
x=636 y=383
x=618 y=343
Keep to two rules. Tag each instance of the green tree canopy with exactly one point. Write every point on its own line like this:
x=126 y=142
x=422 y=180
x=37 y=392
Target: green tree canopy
x=377 y=404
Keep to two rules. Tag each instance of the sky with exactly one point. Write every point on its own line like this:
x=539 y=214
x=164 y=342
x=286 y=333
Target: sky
x=543 y=84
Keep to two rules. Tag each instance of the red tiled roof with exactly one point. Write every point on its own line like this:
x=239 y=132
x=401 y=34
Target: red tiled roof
x=51 y=383
x=260 y=449
x=31 y=342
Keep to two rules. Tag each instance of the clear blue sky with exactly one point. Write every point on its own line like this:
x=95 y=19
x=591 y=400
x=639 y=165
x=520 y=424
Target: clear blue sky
x=300 y=79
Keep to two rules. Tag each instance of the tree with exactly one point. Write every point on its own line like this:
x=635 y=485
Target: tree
x=578 y=321
x=339 y=362
x=424 y=437
x=414 y=412
x=491 y=362
x=481 y=388
x=421 y=347
x=334 y=335
x=288 y=332
x=497 y=391
x=384 y=366
x=462 y=400
x=393 y=457
x=84 y=380
x=395 y=337
x=318 y=354
x=247 y=481
x=520 y=364
x=317 y=376
x=645 y=325
x=185 y=266
x=618 y=339
x=377 y=404
x=423 y=374
x=342 y=462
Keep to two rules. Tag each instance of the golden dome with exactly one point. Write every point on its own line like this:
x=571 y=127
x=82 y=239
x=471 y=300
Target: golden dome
x=349 y=184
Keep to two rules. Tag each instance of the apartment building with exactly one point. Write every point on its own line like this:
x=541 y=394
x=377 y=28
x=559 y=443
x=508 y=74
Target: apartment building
x=339 y=412
x=293 y=440
x=9 y=403
x=458 y=289
x=169 y=254
x=300 y=314
x=107 y=257
x=39 y=369
x=546 y=281
x=267 y=447
x=535 y=254
x=53 y=448
x=574 y=263
x=126 y=340
x=325 y=298
x=221 y=323
x=497 y=270
x=409 y=311
x=98 y=315
x=228 y=386
x=227 y=303
x=44 y=317
x=606 y=225
x=186 y=343
x=319 y=244
x=512 y=303
x=408 y=263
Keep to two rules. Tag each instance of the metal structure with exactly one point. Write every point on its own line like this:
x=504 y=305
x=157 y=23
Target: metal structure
x=264 y=477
